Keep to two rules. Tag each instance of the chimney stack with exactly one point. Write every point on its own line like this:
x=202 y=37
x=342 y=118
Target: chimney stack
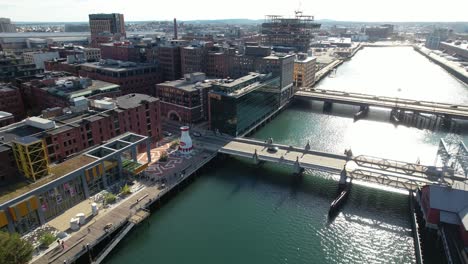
x=175 y=28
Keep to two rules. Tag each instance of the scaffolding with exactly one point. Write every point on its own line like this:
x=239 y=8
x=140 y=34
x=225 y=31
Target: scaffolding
x=31 y=157
x=296 y=32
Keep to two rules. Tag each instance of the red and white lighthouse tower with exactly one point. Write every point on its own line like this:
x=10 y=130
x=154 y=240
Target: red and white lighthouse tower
x=185 y=145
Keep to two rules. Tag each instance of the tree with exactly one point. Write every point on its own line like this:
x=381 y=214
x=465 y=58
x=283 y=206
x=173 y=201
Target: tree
x=125 y=190
x=14 y=250
x=110 y=198
x=47 y=239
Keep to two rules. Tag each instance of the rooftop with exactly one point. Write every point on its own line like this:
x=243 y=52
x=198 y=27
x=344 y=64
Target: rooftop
x=71 y=87
x=190 y=83
x=117 y=66
x=133 y=100
x=5 y=87
x=56 y=172
x=460 y=46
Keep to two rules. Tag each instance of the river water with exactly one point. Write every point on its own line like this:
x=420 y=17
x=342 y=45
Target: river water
x=241 y=213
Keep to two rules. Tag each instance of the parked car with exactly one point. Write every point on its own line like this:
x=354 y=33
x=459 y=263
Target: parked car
x=196 y=134
x=167 y=134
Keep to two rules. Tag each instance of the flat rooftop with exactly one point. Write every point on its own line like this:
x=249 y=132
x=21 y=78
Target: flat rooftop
x=96 y=87
x=18 y=131
x=5 y=88
x=56 y=171
x=239 y=80
x=133 y=100
x=187 y=85
x=116 y=67
x=461 y=46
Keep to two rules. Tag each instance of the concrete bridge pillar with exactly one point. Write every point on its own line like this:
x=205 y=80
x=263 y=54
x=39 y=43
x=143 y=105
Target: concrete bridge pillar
x=297 y=166
x=327 y=106
x=255 y=157
x=343 y=176
x=307 y=146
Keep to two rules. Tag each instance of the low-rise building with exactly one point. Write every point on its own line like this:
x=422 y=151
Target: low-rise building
x=443 y=205
x=456 y=49
x=66 y=184
x=132 y=77
x=60 y=134
x=235 y=106
x=304 y=70
x=38 y=58
x=62 y=91
x=6 y=119
x=122 y=50
x=12 y=67
x=185 y=100
x=11 y=101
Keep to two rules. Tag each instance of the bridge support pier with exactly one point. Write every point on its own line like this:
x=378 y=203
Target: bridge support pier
x=343 y=179
x=298 y=170
x=327 y=106
x=363 y=111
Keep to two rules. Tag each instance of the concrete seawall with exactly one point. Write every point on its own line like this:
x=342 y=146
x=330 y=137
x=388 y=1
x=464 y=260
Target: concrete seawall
x=457 y=72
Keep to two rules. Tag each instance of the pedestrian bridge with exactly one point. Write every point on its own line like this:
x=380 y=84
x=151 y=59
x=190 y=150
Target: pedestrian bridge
x=364 y=100
x=397 y=174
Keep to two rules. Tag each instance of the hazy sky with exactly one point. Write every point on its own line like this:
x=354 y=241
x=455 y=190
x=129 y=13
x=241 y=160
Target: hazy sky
x=355 y=10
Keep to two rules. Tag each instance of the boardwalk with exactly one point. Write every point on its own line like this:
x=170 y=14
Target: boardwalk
x=126 y=212
x=330 y=96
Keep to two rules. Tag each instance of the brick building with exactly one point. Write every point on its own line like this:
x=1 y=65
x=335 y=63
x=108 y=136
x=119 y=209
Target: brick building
x=304 y=70
x=11 y=101
x=131 y=77
x=79 y=52
x=64 y=135
x=124 y=51
x=12 y=67
x=106 y=27
x=6 y=118
x=193 y=58
x=63 y=65
x=61 y=91
x=185 y=100
x=38 y=58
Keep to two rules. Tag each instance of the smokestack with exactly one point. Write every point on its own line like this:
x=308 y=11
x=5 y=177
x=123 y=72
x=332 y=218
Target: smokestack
x=175 y=28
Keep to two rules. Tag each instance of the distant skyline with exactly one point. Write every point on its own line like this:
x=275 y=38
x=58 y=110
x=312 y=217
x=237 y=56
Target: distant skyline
x=145 y=10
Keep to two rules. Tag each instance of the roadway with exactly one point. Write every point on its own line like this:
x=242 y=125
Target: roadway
x=450 y=110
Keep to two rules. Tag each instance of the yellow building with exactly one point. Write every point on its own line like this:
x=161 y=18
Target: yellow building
x=304 y=70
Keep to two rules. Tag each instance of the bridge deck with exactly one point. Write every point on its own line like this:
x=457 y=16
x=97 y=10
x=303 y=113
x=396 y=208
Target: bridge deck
x=366 y=168
x=307 y=159
x=456 y=111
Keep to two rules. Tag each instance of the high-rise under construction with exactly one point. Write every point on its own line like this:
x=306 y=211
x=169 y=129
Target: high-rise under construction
x=295 y=33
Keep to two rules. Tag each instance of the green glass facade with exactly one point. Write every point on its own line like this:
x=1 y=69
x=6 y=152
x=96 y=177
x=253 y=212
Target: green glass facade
x=235 y=114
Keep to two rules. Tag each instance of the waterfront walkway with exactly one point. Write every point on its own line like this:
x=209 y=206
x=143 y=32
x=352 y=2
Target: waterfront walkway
x=121 y=214
x=365 y=100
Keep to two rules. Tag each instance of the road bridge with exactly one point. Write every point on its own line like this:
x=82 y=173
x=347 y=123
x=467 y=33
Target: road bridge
x=397 y=174
x=363 y=100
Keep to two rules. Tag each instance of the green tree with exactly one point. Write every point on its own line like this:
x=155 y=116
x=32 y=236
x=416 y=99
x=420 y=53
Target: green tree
x=125 y=190
x=110 y=198
x=14 y=250
x=47 y=239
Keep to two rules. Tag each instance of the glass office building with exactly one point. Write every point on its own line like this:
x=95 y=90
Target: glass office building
x=238 y=105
